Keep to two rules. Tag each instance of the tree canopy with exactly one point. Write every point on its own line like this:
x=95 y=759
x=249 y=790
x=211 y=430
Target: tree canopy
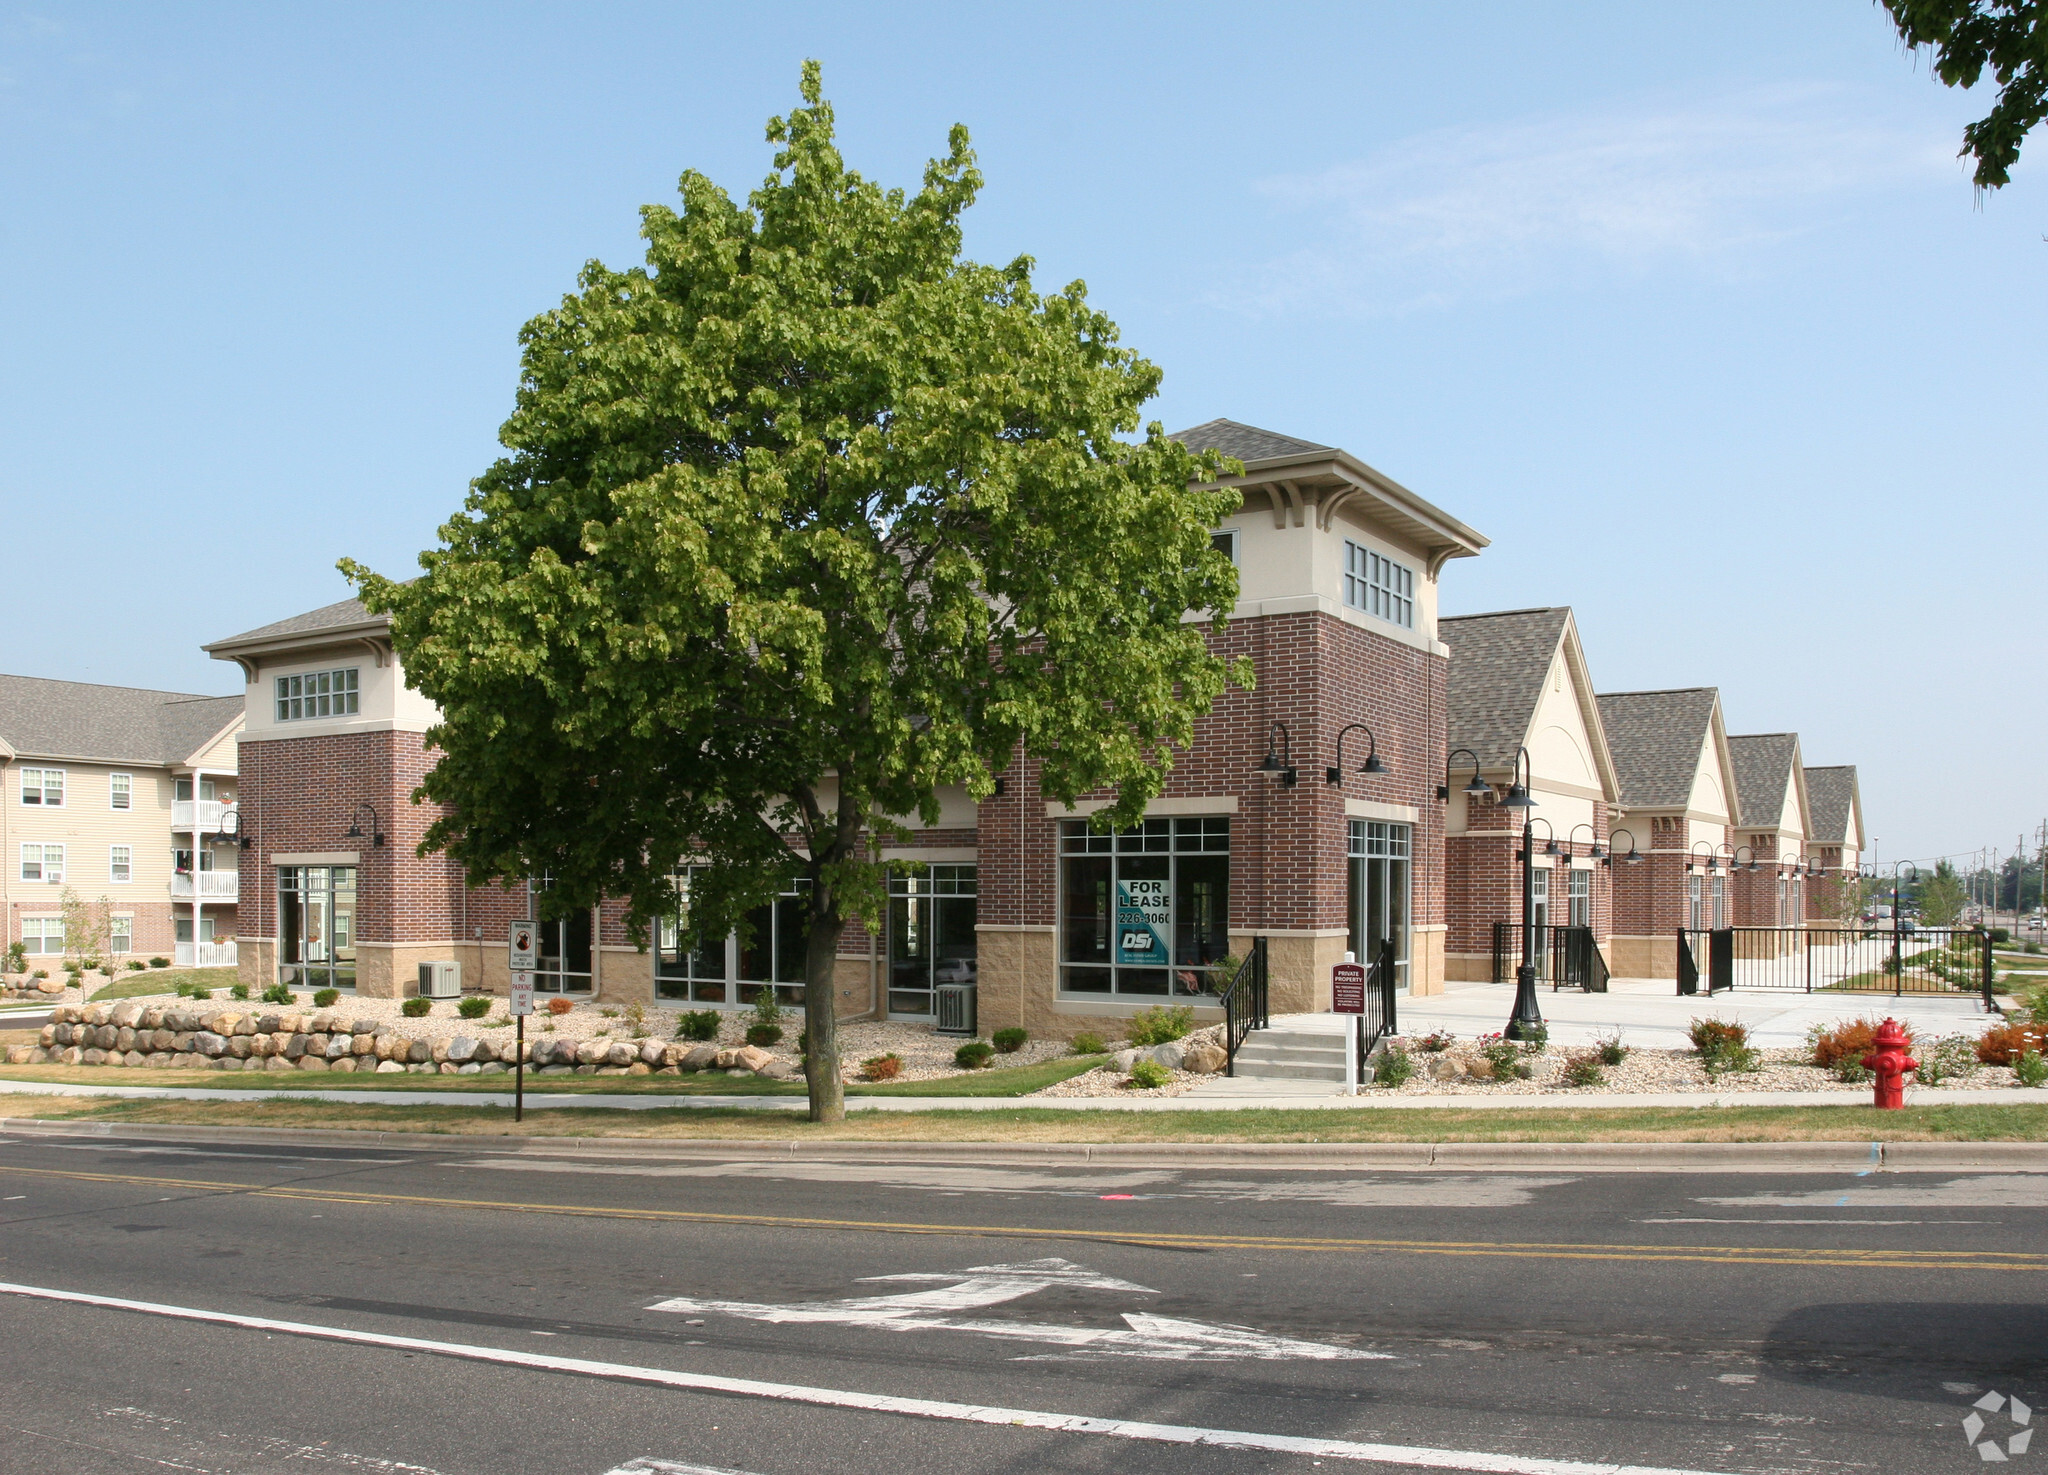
x=801 y=520
x=1966 y=36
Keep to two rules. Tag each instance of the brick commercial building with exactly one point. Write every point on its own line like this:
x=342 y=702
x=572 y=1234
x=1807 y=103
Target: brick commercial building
x=1519 y=684
x=1059 y=926
x=118 y=795
x=1677 y=809
x=1835 y=841
x=1769 y=875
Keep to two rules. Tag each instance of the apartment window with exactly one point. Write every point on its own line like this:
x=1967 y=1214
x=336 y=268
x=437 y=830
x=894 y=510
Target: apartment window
x=1695 y=917
x=318 y=694
x=1579 y=898
x=120 y=791
x=1379 y=892
x=121 y=935
x=1381 y=587
x=42 y=786
x=184 y=934
x=43 y=936
x=42 y=862
x=1144 y=912
x=1224 y=541
x=728 y=970
x=120 y=863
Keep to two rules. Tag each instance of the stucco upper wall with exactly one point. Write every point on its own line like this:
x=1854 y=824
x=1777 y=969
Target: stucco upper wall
x=1709 y=794
x=384 y=702
x=1288 y=569
x=1560 y=747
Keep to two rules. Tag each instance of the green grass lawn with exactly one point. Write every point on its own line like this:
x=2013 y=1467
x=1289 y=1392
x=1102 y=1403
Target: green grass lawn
x=1854 y=1122
x=162 y=981
x=1016 y=1081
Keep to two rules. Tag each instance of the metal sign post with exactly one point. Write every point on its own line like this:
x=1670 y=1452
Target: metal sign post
x=1347 y=996
x=524 y=952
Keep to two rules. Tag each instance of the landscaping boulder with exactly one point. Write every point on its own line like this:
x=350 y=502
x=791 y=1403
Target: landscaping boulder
x=209 y=1044
x=1123 y=1060
x=362 y=1027
x=389 y=1067
x=651 y=1054
x=418 y=1052
x=362 y=1043
x=126 y=1014
x=594 y=1052
x=621 y=1054
x=461 y=1050
x=1204 y=1059
x=345 y=1064
x=1170 y=1054
x=96 y=1014
x=699 y=1057
x=779 y=1069
x=310 y=1061
x=49 y=986
x=751 y=1057
x=639 y=1068
x=20 y=1054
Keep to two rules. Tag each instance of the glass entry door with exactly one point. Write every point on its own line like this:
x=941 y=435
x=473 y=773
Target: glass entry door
x=316 y=926
x=931 y=936
x=564 y=955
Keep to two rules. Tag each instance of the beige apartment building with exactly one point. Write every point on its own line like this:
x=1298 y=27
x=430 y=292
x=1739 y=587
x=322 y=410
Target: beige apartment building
x=124 y=797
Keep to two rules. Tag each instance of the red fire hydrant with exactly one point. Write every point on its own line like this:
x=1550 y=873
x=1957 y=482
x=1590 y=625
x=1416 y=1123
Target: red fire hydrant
x=1889 y=1062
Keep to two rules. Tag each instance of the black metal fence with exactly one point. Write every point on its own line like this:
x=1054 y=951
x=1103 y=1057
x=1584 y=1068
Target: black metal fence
x=1244 y=1003
x=1853 y=960
x=1566 y=957
x=1379 y=1019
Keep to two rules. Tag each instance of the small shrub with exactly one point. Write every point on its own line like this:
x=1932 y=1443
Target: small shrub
x=1010 y=1040
x=40 y=973
x=159 y=962
x=238 y=991
x=1148 y=1075
x=1584 y=1070
x=636 y=1016
x=17 y=957
x=1709 y=1034
x=2033 y=948
x=560 y=1006
x=326 y=998
x=1394 y=1066
x=1436 y=1042
x=766 y=1010
x=416 y=1008
x=973 y=1055
x=2002 y=1044
x=1160 y=1023
x=609 y=1013
x=136 y=965
x=1505 y=1056
x=697 y=1024
x=2030 y=1069
x=1535 y=1040
x=277 y=993
x=2000 y=934
x=1087 y=1042
x=547 y=1026
x=762 y=1036
x=881 y=1067
x=476 y=1006
x=1950 y=1058
x=1842 y=1048
x=1610 y=1050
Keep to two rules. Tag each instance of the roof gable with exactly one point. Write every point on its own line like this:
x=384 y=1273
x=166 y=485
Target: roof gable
x=1498 y=665
x=1243 y=442
x=116 y=724
x=1833 y=797
x=1766 y=778
x=1660 y=740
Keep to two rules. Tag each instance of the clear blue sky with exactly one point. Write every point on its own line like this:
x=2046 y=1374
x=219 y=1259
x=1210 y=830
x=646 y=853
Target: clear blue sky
x=1689 y=307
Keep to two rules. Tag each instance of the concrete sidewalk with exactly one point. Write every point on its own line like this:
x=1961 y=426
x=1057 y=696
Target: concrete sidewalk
x=1369 y=1101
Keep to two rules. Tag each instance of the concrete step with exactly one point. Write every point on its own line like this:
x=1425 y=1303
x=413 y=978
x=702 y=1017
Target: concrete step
x=1285 y=1055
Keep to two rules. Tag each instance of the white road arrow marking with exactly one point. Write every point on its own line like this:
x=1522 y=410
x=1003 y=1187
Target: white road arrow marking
x=1159 y=1337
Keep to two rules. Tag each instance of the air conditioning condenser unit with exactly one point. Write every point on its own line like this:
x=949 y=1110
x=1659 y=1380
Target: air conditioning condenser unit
x=440 y=980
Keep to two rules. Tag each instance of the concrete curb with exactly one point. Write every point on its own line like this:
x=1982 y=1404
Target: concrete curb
x=1519 y=1157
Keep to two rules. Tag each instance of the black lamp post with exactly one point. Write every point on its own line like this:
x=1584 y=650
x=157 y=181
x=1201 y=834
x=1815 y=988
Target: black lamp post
x=355 y=828
x=1335 y=773
x=1898 y=966
x=1527 y=1020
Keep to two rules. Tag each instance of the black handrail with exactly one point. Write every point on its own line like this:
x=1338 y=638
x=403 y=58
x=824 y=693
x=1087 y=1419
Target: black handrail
x=1244 y=1003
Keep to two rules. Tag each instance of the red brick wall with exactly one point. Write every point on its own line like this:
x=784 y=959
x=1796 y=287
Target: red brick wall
x=1483 y=878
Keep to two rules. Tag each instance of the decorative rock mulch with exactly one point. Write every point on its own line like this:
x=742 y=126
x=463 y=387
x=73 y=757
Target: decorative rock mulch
x=1112 y=1077
x=1448 y=1073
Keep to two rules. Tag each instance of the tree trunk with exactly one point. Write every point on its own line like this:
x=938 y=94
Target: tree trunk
x=821 y=1008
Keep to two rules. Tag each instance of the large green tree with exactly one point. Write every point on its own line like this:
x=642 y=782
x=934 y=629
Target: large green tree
x=802 y=520
x=2010 y=37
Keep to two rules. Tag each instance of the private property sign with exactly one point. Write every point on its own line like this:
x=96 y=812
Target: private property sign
x=1347 y=989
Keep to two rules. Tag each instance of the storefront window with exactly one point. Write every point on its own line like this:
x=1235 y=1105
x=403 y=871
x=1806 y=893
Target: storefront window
x=727 y=971
x=316 y=909
x=931 y=936
x=1146 y=911
x=1379 y=892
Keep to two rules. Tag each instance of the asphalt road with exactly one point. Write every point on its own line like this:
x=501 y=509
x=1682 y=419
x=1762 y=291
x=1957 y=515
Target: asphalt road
x=1048 y=1318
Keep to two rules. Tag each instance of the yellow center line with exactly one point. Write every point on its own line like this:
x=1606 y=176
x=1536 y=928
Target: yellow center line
x=1944 y=1259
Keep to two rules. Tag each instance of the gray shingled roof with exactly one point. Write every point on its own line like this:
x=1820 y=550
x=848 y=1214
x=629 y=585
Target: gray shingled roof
x=1244 y=442
x=71 y=719
x=327 y=617
x=1656 y=738
x=1763 y=766
x=1829 y=794
x=1498 y=662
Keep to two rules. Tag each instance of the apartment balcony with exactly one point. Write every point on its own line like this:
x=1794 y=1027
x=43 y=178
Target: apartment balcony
x=213 y=886
x=206 y=955
x=202 y=814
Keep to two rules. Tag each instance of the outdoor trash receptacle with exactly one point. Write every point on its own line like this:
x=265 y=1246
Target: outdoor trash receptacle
x=953 y=1007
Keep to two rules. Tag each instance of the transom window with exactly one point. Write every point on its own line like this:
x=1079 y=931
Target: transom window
x=43 y=787
x=120 y=791
x=42 y=862
x=1381 y=587
x=727 y=970
x=1144 y=911
x=318 y=694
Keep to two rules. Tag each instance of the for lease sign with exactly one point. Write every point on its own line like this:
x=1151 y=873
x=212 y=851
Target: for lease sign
x=1142 y=922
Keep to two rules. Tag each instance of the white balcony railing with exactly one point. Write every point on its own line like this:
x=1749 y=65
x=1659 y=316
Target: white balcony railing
x=206 y=955
x=213 y=886
x=205 y=813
